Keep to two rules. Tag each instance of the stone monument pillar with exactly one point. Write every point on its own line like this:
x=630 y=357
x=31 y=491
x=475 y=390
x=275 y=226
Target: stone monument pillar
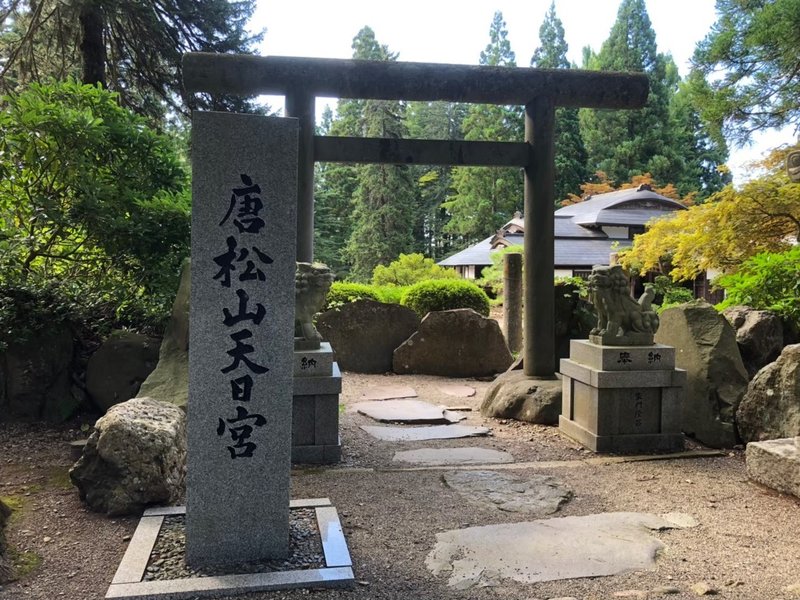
x=244 y=193
x=317 y=379
x=621 y=391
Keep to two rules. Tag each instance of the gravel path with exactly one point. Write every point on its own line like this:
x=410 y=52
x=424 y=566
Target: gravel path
x=747 y=545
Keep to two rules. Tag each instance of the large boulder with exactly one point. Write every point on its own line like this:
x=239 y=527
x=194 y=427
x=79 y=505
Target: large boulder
x=135 y=456
x=454 y=343
x=38 y=373
x=6 y=568
x=716 y=378
x=169 y=381
x=513 y=395
x=771 y=407
x=119 y=366
x=365 y=333
x=759 y=334
x=776 y=464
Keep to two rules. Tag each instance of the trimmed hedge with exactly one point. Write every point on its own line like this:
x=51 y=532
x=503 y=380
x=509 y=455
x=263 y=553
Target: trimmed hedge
x=445 y=294
x=342 y=292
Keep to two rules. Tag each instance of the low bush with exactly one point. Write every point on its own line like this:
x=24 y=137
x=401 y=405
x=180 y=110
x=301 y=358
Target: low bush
x=669 y=293
x=342 y=292
x=492 y=276
x=445 y=294
x=409 y=269
x=390 y=294
x=766 y=281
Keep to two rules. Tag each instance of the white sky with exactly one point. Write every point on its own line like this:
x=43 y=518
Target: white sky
x=455 y=31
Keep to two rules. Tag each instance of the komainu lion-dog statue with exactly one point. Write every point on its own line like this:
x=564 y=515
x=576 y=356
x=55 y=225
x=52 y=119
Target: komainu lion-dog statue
x=621 y=321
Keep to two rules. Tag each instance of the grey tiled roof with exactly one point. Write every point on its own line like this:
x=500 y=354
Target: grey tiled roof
x=573 y=253
x=620 y=216
x=566 y=227
x=585 y=253
x=474 y=255
x=594 y=204
x=579 y=241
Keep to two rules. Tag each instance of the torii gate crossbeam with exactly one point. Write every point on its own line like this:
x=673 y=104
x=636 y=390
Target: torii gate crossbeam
x=301 y=80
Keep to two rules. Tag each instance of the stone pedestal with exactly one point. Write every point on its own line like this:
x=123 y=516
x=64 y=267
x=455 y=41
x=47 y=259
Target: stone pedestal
x=315 y=407
x=622 y=398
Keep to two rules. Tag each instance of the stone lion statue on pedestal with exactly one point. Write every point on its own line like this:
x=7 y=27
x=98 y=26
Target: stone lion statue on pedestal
x=621 y=321
x=311 y=284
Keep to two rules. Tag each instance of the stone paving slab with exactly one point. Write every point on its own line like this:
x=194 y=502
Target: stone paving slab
x=452 y=456
x=388 y=392
x=534 y=495
x=548 y=549
x=416 y=434
x=407 y=411
x=459 y=391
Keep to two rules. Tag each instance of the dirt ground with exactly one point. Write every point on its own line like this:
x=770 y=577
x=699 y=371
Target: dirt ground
x=747 y=545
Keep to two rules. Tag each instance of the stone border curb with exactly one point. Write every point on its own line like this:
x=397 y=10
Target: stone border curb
x=128 y=585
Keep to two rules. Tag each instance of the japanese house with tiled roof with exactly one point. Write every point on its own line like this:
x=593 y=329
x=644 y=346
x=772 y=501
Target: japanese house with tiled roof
x=586 y=233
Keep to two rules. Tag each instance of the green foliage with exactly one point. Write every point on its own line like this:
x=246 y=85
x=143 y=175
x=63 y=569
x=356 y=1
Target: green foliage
x=485 y=198
x=410 y=269
x=570 y=152
x=624 y=143
x=384 y=212
x=435 y=121
x=445 y=294
x=762 y=215
x=94 y=211
x=493 y=275
x=24 y=562
x=342 y=292
x=748 y=68
x=767 y=281
x=86 y=183
x=390 y=294
x=132 y=47
x=702 y=155
x=669 y=293
x=574 y=315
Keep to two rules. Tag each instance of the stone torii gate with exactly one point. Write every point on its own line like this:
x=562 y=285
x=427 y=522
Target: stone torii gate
x=301 y=80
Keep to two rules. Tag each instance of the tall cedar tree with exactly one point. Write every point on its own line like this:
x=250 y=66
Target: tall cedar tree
x=384 y=210
x=624 y=143
x=570 y=152
x=133 y=48
x=752 y=58
x=336 y=183
x=436 y=121
x=486 y=197
x=703 y=155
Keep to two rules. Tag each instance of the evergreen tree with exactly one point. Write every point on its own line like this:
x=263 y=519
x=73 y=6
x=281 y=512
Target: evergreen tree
x=384 y=203
x=336 y=183
x=624 y=143
x=383 y=208
x=486 y=197
x=133 y=48
x=435 y=121
x=755 y=47
x=703 y=155
x=570 y=152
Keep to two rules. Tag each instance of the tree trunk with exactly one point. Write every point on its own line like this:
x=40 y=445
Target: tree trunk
x=93 y=49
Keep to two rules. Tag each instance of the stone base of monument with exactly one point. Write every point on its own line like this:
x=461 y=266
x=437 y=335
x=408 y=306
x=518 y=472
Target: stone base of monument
x=315 y=407
x=129 y=581
x=622 y=398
